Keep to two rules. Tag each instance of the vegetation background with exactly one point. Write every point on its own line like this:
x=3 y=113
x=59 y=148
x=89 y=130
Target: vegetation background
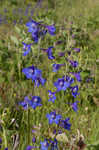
x=13 y=87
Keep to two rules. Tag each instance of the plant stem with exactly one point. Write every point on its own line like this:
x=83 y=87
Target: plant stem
x=4 y=135
x=28 y=119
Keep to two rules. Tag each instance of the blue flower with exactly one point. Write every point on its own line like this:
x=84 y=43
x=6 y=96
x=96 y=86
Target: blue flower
x=65 y=124
x=37 y=73
x=29 y=72
x=51 y=29
x=33 y=29
x=74 y=91
x=32 y=26
x=44 y=145
x=68 y=79
x=0 y=141
x=39 y=80
x=77 y=49
x=6 y=148
x=35 y=37
x=77 y=76
x=35 y=101
x=73 y=63
x=53 y=117
x=24 y=103
x=34 y=74
x=52 y=96
x=26 y=48
x=30 y=147
x=54 y=145
x=61 y=84
x=43 y=32
x=49 y=52
x=56 y=67
x=33 y=139
x=74 y=106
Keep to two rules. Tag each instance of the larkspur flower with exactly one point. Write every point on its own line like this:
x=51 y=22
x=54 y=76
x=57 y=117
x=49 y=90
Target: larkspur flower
x=65 y=124
x=26 y=48
x=49 y=52
x=68 y=79
x=56 y=67
x=6 y=148
x=54 y=132
x=35 y=37
x=61 y=54
x=24 y=103
x=76 y=49
x=54 y=145
x=44 y=145
x=35 y=28
x=59 y=131
x=74 y=106
x=53 y=117
x=37 y=73
x=34 y=102
x=74 y=91
x=29 y=71
x=34 y=74
x=73 y=63
x=52 y=96
x=32 y=26
x=0 y=141
x=51 y=29
x=39 y=80
x=77 y=76
x=42 y=33
x=33 y=139
x=61 y=84
x=29 y=147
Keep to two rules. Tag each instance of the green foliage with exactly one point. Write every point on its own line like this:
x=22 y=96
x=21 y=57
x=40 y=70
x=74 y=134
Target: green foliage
x=13 y=85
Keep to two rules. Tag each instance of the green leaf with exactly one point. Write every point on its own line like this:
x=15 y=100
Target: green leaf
x=17 y=29
x=85 y=73
x=14 y=39
x=1 y=79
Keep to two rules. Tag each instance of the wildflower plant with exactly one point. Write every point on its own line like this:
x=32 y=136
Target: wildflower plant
x=53 y=67
x=63 y=83
x=44 y=79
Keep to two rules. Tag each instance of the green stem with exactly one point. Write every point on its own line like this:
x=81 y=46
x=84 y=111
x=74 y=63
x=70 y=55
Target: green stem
x=95 y=76
x=4 y=135
x=28 y=119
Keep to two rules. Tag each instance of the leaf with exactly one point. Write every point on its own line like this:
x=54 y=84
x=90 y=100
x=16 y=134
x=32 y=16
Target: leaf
x=85 y=73
x=1 y=79
x=14 y=39
x=17 y=29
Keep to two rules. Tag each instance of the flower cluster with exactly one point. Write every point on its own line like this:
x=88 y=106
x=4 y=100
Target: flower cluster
x=35 y=74
x=37 y=31
x=33 y=103
x=46 y=144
